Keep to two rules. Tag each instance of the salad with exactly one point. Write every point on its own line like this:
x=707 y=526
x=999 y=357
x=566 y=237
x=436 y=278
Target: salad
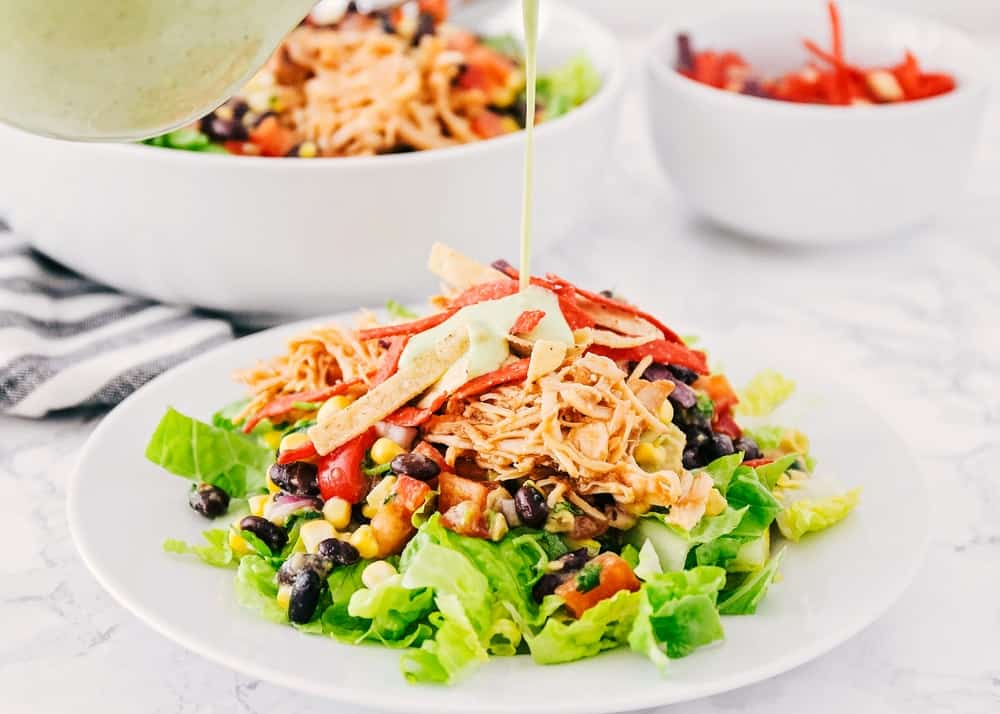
x=539 y=470
x=348 y=83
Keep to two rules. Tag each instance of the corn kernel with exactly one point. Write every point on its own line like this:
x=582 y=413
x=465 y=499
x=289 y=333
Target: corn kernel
x=284 y=595
x=716 y=503
x=257 y=504
x=308 y=150
x=666 y=412
x=295 y=440
x=365 y=541
x=272 y=487
x=377 y=573
x=272 y=439
x=369 y=511
x=650 y=457
x=315 y=532
x=385 y=450
x=331 y=406
x=794 y=441
x=239 y=546
x=337 y=512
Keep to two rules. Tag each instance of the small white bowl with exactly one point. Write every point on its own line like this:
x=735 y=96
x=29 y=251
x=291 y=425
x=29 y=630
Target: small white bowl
x=809 y=174
x=306 y=236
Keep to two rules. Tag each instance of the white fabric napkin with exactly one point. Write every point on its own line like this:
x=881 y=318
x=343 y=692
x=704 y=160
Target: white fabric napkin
x=66 y=342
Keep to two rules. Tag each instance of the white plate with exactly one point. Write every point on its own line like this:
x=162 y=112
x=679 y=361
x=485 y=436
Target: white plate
x=121 y=508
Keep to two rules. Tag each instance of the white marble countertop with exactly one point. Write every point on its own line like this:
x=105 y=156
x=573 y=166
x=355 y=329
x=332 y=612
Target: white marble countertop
x=913 y=322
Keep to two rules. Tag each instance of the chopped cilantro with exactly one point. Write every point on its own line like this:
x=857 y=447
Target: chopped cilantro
x=588 y=578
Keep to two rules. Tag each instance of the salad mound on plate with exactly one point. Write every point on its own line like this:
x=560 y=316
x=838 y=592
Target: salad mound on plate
x=545 y=470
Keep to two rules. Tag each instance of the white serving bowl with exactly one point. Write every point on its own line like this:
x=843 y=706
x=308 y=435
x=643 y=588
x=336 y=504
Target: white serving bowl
x=804 y=173
x=302 y=237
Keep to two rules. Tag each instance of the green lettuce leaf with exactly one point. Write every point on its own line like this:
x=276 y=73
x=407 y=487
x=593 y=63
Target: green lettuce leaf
x=394 y=612
x=257 y=588
x=803 y=514
x=770 y=473
x=747 y=490
x=336 y=619
x=208 y=454
x=567 y=87
x=217 y=552
x=186 y=139
x=648 y=563
x=764 y=393
x=677 y=614
x=743 y=600
x=766 y=437
x=722 y=469
x=604 y=626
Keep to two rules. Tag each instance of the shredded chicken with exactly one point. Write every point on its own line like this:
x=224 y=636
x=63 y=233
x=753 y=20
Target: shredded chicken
x=582 y=423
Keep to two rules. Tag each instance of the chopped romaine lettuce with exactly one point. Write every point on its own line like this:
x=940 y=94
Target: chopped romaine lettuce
x=764 y=393
x=743 y=599
x=649 y=562
x=604 y=626
x=257 y=588
x=203 y=453
x=186 y=139
x=394 y=612
x=217 y=552
x=567 y=87
x=804 y=514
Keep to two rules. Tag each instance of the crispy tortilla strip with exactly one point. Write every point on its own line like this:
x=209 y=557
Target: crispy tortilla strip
x=459 y=271
x=383 y=400
x=613 y=339
x=622 y=322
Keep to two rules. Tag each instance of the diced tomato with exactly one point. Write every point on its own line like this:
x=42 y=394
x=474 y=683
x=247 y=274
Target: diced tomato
x=390 y=360
x=615 y=576
x=454 y=489
x=487 y=124
x=724 y=423
x=513 y=372
x=406 y=328
x=718 y=388
x=340 y=474
x=426 y=449
x=411 y=493
x=661 y=351
x=393 y=527
x=235 y=147
x=284 y=404
x=303 y=453
x=526 y=322
x=272 y=138
x=754 y=463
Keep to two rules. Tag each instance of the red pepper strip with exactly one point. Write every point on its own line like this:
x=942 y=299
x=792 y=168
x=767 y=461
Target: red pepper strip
x=416 y=416
x=837 y=36
x=485 y=291
x=390 y=361
x=513 y=372
x=661 y=351
x=907 y=74
x=526 y=322
x=620 y=305
x=754 y=463
x=285 y=404
x=407 y=328
x=339 y=473
x=827 y=57
x=303 y=453
x=724 y=423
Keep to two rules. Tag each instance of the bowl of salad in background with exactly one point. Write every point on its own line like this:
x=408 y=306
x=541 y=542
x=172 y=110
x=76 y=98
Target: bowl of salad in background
x=787 y=163
x=322 y=180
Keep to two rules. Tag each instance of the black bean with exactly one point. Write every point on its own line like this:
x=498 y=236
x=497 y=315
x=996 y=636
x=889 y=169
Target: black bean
x=531 y=506
x=338 y=552
x=219 y=129
x=273 y=536
x=546 y=585
x=749 y=448
x=210 y=501
x=299 y=563
x=688 y=376
x=297 y=478
x=720 y=445
x=305 y=596
x=239 y=107
x=425 y=26
x=691 y=458
x=415 y=466
x=573 y=560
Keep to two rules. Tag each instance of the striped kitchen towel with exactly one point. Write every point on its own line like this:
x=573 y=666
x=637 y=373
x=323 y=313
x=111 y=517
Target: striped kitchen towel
x=66 y=342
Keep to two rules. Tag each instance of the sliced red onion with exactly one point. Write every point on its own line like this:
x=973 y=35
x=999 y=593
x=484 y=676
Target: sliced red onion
x=402 y=435
x=283 y=505
x=509 y=511
x=682 y=395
